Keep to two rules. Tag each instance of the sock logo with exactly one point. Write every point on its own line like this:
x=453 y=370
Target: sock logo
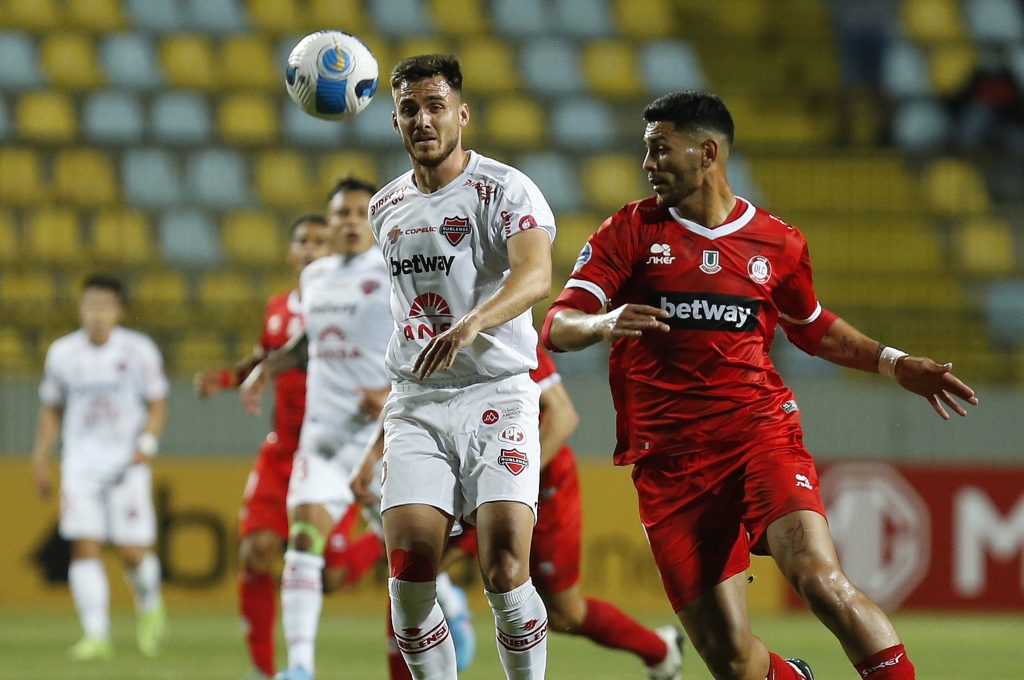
x=888 y=663
x=521 y=643
x=528 y=626
x=416 y=642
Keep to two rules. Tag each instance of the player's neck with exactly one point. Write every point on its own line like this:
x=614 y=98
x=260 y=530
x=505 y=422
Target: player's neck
x=709 y=207
x=99 y=338
x=430 y=179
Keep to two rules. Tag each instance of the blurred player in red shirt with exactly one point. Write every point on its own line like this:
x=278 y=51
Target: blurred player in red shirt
x=694 y=280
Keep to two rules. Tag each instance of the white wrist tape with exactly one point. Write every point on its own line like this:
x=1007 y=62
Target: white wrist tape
x=147 y=444
x=887 y=360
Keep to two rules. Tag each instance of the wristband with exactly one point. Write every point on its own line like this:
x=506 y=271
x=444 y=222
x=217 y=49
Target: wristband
x=887 y=359
x=147 y=444
x=227 y=378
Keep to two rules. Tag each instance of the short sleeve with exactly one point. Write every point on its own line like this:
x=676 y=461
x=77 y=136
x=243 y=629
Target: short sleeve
x=795 y=297
x=606 y=260
x=154 y=381
x=51 y=388
x=521 y=207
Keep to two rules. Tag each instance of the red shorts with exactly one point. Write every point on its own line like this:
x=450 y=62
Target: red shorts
x=263 y=502
x=704 y=513
x=555 y=550
x=335 y=550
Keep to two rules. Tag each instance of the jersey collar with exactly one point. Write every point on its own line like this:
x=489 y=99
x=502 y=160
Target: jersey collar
x=723 y=229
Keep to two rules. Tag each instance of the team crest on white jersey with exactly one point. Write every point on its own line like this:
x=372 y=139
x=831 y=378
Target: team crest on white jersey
x=661 y=253
x=759 y=269
x=709 y=263
x=455 y=229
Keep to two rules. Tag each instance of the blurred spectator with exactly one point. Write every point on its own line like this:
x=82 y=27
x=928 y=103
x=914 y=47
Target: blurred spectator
x=863 y=34
x=988 y=111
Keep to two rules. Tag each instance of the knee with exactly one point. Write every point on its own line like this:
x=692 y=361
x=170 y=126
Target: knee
x=306 y=537
x=823 y=585
x=726 y=657
x=131 y=557
x=564 y=620
x=505 y=572
x=259 y=551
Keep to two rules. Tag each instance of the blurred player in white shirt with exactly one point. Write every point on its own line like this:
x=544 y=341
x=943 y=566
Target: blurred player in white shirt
x=104 y=389
x=468 y=244
x=344 y=300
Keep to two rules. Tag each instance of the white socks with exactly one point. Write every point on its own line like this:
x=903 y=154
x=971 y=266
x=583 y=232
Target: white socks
x=91 y=593
x=421 y=630
x=145 y=583
x=452 y=605
x=302 y=596
x=521 y=624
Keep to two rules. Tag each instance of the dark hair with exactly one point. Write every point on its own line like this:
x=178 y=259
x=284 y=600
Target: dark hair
x=315 y=219
x=352 y=184
x=690 y=109
x=106 y=282
x=425 y=66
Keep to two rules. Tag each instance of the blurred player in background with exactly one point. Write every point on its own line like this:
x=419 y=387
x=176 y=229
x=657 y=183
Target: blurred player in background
x=104 y=388
x=264 y=517
x=344 y=302
x=713 y=433
x=468 y=242
x=555 y=550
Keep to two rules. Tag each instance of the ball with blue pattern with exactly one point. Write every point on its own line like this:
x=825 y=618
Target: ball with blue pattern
x=331 y=75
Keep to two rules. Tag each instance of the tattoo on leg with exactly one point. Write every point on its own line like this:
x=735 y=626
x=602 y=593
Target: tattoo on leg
x=792 y=540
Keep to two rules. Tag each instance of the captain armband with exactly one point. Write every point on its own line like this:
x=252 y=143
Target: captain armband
x=887 y=360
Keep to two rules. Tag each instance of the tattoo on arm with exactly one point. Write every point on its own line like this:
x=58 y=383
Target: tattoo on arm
x=844 y=345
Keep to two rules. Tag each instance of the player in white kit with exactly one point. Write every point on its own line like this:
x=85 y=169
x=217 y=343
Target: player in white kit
x=344 y=300
x=468 y=243
x=104 y=389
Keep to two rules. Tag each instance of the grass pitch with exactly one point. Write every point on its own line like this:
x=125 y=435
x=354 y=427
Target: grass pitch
x=208 y=646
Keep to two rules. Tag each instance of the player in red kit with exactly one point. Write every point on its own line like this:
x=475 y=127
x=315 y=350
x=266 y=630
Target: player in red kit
x=555 y=549
x=694 y=281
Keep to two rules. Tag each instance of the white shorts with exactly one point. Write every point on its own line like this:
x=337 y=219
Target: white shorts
x=120 y=513
x=458 y=448
x=323 y=465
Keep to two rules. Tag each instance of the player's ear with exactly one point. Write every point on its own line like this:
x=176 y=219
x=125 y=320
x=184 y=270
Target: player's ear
x=394 y=122
x=463 y=114
x=709 y=152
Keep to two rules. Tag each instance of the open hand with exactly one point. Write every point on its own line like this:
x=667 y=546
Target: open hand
x=936 y=383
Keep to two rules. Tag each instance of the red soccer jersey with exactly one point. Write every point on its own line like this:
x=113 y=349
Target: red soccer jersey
x=563 y=465
x=709 y=379
x=282 y=320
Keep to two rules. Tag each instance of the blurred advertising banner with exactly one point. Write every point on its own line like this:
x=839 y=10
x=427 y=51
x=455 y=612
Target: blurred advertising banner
x=929 y=536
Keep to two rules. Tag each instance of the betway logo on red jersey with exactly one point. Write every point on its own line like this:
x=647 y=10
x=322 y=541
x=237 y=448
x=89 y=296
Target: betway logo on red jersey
x=708 y=311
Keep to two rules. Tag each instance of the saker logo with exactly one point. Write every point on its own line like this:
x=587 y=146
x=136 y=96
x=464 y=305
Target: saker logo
x=514 y=460
x=455 y=229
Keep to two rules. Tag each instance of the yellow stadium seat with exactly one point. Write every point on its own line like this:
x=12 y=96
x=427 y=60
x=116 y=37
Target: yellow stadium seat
x=197 y=351
x=52 y=235
x=248 y=62
x=612 y=180
x=34 y=15
x=21 y=177
x=883 y=244
x=489 y=66
x=516 y=122
x=338 y=166
x=425 y=44
x=85 y=177
x=349 y=15
x=460 y=17
x=69 y=60
x=280 y=16
x=9 y=249
x=647 y=19
x=122 y=236
x=29 y=298
x=253 y=238
x=955 y=187
x=984 y=245
x=933 y=20
x=46 y=117
x=101 y=16
x=277 y=283
x=573 y=232
x=611 y=69
x=951 y=66
x=15 y=356
x=283 y=179
x=159 y=299
x=227 y=296
x=247 y=119
x=188 y=62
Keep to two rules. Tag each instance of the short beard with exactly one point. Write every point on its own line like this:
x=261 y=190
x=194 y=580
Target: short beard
x=431 y=161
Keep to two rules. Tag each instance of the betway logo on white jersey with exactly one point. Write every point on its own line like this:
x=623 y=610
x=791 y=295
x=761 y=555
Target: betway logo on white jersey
x=422 y=264
x=708 y=311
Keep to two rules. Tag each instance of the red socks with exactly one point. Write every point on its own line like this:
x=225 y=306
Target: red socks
x=606 y=625
x=257 y=597
x=397 y=668
x=888 y=664
x=778 y=669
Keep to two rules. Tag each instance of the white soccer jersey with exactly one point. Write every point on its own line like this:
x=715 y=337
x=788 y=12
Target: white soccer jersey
x=345 y=306
x=447 y=253
x=103 y=391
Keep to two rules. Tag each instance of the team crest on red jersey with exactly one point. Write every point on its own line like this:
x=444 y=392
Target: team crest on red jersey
x=454 y=229
x=759 y=269
x=514 y=460
x=709 y=264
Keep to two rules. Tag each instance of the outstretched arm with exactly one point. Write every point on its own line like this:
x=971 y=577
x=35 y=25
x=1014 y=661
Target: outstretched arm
x=294 y=353
x=213 y=380
x=570 y=329
x=529 y=280
x=846 y=346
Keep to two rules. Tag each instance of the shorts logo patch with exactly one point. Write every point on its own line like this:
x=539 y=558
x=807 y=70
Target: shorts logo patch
x=803 y=481
x=490 y=417
x=790 y=406
x=515 y=461
x=383 y=473
x=513 y=434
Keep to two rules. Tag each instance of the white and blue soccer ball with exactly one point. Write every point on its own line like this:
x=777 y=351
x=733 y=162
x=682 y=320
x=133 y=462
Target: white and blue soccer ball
x=331 y=74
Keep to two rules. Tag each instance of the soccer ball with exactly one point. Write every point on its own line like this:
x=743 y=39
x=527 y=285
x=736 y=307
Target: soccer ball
x=331 y=75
